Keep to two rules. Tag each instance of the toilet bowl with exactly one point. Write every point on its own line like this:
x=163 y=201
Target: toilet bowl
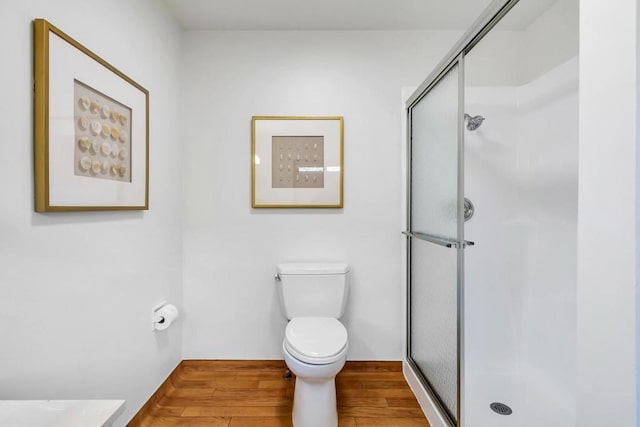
x=315 y=350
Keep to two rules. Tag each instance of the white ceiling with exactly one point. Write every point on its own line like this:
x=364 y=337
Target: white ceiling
x=326 y=14
x=344 y=14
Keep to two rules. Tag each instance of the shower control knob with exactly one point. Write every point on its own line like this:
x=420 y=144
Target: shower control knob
x=469 y=209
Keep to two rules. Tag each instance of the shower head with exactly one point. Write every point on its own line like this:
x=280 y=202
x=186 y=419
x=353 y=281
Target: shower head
x=473 y=123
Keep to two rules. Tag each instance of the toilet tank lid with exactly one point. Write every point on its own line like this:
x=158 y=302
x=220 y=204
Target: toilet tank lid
x=313 y=268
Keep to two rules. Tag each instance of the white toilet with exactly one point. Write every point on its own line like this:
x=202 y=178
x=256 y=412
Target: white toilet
x=313 y=298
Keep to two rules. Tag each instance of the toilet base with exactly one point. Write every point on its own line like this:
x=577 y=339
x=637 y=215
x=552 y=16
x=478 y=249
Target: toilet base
x=314 y=399
x=314 y=403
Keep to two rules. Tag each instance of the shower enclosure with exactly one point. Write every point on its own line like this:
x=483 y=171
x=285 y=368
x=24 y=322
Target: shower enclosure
x=492 y=221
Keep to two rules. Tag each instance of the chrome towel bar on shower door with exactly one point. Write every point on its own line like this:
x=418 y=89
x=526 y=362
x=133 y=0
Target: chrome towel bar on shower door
x=438 y=240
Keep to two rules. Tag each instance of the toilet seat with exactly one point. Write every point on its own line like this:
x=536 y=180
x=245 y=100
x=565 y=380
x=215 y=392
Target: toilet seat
x=316 y=340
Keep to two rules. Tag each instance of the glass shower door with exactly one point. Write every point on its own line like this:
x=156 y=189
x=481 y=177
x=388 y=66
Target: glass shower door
x=435 y=230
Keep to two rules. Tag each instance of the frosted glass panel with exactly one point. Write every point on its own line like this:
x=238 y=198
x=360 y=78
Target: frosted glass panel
x=434 y=318
x=434 y=268
x=434 y=160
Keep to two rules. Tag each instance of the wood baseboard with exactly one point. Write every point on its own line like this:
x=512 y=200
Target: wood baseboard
x=145 y=412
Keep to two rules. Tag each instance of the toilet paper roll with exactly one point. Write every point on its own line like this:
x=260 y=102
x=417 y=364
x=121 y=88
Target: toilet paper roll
x=165 y=316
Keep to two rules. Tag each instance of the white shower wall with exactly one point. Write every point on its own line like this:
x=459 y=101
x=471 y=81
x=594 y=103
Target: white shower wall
x=521 y=172
x=520 y=278
x=548 y=165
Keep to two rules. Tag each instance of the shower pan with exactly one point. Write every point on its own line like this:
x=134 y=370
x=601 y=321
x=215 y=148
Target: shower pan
x=491 y=293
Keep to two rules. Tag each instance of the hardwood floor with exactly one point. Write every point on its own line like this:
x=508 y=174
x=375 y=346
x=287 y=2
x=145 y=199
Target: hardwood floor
x=253 y=393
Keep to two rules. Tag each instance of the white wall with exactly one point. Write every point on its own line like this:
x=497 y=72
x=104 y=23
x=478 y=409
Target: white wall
x=551 y=39
x=607 y=233
x=59 y=340
x=494 y=267
x=521 y=172
x=637 y=245
x=521 y=169
x=548 y=202
x=231 y=250
x=77 y=288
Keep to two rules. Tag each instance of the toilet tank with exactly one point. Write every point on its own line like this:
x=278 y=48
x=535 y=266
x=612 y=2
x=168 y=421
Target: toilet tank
x=313 y=289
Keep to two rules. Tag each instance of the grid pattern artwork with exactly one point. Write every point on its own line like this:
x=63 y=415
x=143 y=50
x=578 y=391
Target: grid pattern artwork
x=297 y=162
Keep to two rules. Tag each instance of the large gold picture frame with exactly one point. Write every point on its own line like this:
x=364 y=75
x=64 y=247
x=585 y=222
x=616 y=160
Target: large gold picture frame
x=91 y=129
x=297 y=161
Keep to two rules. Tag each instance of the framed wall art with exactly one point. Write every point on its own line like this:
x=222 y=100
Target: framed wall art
x=91 y=130
x=297 y=162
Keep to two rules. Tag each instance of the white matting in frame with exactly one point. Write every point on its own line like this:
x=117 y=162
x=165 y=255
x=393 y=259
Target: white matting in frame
x=64 y=142
x=297 y=162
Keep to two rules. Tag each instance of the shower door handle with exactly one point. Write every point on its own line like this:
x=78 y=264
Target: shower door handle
x=447 y=243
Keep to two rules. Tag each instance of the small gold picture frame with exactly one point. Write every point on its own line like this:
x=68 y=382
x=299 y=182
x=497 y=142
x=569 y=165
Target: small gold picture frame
x=297 y=161
x=91 y=129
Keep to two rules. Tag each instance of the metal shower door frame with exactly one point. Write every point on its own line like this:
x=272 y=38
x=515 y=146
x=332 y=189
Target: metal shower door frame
x=456 y=57
x=458 y=244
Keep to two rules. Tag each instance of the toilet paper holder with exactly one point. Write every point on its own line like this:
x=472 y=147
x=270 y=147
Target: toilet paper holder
x=157 y=319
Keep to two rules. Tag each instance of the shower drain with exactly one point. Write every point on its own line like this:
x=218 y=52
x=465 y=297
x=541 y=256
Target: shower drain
x=500 y=408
